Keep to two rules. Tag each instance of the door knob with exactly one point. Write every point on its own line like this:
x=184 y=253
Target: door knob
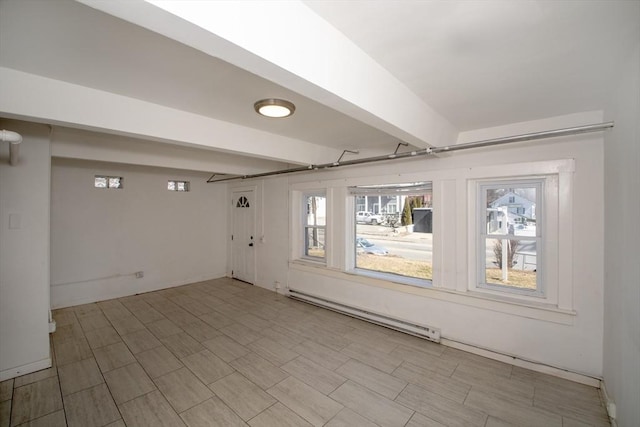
x=250 y=244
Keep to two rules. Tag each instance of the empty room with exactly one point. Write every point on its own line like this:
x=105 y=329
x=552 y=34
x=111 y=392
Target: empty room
x=319 y=213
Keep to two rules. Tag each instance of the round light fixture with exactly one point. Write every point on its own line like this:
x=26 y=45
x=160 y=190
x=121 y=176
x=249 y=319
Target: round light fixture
x=277 y=108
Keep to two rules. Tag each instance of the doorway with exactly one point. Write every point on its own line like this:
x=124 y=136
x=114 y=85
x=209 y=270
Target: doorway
x=243 y=239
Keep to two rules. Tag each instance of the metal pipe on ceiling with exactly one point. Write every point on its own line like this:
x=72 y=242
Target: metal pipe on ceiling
x=430 y=151
x=14 y=140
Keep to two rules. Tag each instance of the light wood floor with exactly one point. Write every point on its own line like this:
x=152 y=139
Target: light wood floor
x=224 y=353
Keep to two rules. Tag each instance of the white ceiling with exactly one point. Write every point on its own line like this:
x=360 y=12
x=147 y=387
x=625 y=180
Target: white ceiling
x=469 y=64
x=68 y=41
x=489 y=63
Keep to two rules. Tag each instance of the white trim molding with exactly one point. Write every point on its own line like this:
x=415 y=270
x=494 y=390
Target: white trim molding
x=25 y=369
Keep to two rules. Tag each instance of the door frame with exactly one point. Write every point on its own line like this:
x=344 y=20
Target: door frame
x=231 y=216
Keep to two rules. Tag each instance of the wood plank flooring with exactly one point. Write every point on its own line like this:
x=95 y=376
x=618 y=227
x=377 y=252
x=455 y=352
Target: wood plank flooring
x=224 y=353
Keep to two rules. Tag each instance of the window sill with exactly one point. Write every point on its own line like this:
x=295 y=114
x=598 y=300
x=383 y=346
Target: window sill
x=314 y=262
x=536 y=311
x=390 y=277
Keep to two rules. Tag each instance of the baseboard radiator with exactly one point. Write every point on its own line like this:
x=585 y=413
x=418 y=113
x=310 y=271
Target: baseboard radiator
x=421 y=331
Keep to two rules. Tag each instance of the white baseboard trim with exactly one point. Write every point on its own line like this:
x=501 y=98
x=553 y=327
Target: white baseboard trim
x=7 y=374
x=103 y=292
x=609 y=404
x=513 y=360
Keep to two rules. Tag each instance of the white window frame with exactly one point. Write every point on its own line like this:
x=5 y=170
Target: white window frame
x=306 y=226
x=393 y=204
x=556 y=211
x=350 y=243
x=539 y=238
x=298 y=222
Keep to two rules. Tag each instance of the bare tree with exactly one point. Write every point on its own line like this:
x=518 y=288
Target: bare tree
x=512 y=247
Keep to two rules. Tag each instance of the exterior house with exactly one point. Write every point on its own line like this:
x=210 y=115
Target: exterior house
x=380 y=204
x=520 y=210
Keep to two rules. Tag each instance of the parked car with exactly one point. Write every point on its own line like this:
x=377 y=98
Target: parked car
x=369 y=218
x=365 y=246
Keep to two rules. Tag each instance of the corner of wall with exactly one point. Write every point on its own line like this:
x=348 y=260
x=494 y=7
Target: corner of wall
x=609 y=404
x=621 y=354
x=25 y=252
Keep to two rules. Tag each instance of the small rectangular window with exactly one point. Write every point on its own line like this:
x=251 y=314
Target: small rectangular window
x=510 y=240
x=107 y=181
x=178 y=185
x=315 y=221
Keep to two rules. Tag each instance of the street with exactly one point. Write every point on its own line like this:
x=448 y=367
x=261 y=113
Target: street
x=415 y=250
x=419 y=246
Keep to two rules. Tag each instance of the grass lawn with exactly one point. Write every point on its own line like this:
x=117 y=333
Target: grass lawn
x=396 y=265
x=423 y=270
x=317 y=252
x=517 y=278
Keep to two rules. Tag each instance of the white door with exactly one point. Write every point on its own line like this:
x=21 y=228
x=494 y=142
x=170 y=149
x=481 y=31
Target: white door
x=243 y=237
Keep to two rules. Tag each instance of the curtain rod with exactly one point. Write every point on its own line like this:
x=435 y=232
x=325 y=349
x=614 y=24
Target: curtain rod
x=430 y=151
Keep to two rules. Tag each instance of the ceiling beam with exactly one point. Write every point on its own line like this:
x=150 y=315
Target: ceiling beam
x=40 y=99
x=84 y=145
x=287 y=43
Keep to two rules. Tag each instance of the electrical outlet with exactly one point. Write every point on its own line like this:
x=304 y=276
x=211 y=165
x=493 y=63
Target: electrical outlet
x=139 y=274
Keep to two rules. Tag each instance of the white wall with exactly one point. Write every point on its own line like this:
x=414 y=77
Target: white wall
x=273 y=254
x=622 y=236
x=24 y=252
x=101 y=237
x=574 y=343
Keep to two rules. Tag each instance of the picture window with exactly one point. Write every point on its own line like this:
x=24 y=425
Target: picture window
x=394 y=231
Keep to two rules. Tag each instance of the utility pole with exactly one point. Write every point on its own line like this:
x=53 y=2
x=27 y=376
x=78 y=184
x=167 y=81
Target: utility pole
x=505 y=243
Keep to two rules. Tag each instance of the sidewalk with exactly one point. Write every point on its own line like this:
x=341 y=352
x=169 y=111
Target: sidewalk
x=387 y=233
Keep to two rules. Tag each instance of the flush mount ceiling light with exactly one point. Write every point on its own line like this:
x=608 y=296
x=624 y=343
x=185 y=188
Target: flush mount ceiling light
x=277 y=108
